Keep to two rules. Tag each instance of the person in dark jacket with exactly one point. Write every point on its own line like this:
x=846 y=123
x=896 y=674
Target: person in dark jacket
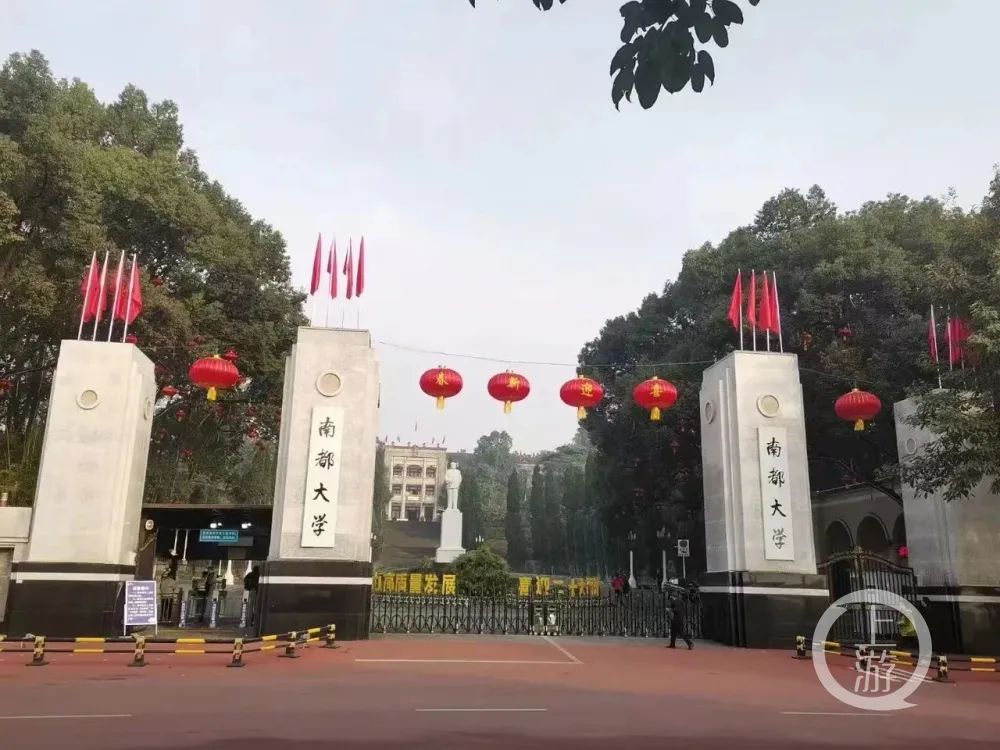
x=679 y=610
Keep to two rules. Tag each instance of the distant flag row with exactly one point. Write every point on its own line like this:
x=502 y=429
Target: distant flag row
x=354 y=274
x=957 y=333
x=96 y=290
x=764 y=315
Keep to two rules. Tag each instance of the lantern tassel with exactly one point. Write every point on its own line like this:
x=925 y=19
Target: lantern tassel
x=507 y=405
x=654 y=414
x=211 y=394
x=581 y=413
x=440 y=402
x=859 y=425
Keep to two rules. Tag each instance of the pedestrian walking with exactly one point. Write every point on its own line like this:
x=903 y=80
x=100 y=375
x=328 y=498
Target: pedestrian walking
x=679 y=610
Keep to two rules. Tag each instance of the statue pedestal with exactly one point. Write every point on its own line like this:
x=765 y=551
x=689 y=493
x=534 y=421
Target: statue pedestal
x=319 y=568
x=761 y=588
x=85 y=525
x=450 y=548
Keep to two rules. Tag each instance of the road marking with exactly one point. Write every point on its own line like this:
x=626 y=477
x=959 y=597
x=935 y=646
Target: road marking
x=66 y=716
x=479 y=710
x=834 y=713
x=464 y=661
x=564 y=652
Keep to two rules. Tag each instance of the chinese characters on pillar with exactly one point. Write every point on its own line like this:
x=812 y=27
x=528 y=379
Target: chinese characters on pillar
x=776 y=493
x=319 y=513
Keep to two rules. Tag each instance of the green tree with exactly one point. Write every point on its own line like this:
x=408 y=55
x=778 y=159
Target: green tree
x=78 y=176
x=482 y=572
x=380 y=499
x=660 y=41
x=555 y=525
x=470 y=502
x=536 y=503
x=517 y=544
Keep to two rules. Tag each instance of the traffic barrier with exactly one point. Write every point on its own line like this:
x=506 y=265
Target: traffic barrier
x=331 y=637
x=237 y=660
x=38 y=653
x=139 y=656
x=290 y=647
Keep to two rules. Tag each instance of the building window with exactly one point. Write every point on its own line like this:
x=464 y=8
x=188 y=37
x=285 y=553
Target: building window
x=397 y=489
x=413 y=489
x=397 y=470
x=429 y=490
x=414 y=471
x=395 y=513
x=413 y=514
x=428 y=513
x=432 y=472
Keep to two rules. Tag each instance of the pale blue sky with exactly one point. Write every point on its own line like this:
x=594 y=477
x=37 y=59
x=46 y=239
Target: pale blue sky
x=508 y=208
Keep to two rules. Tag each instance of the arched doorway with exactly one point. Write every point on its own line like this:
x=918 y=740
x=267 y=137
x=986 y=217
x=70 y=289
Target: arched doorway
x=872 y=536
x=837 y=539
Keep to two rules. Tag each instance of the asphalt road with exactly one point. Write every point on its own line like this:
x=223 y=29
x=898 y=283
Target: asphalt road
x=472 y=692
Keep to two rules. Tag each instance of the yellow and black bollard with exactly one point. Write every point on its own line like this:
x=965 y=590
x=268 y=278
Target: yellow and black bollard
x=800 y=647
x=942 y=669
x=290 y=647
x=331 y=637
x=237 y=660
x=139 y=655
x=38 y=653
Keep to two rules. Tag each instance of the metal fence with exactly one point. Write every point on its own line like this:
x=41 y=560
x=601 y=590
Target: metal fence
x=640 y=614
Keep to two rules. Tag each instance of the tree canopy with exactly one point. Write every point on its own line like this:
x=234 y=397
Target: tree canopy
x=660 y=45
x=79 y=176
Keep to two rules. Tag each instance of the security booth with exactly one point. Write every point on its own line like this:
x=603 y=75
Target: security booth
x=197 y=552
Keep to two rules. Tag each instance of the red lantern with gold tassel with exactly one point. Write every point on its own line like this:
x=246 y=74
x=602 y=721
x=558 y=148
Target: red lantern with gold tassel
x=655 y=395
x=859 y=407
x=441 y=383
x=214 y=374
x=508 y=387
x=583 y=393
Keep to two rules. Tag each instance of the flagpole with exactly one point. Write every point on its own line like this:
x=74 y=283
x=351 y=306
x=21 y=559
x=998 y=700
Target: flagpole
x=777 y=310
x=86 y=294
x=951 y=356
x=100 y=295
x=118 y=289
x=937 y=356
x=128 y=303
x=753 y=313
x=739 y=276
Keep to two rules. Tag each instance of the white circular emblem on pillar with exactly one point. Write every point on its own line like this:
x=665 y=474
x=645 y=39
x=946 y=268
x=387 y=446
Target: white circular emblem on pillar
x=768 y=406
x=329 y=384
x=709 y=412
x=911 y=446
x=88 y=399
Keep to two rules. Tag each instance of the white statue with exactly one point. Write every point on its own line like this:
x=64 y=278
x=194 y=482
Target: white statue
x=452 y=481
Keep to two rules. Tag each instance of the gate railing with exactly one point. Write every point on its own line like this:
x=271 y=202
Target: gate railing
x=638 y=613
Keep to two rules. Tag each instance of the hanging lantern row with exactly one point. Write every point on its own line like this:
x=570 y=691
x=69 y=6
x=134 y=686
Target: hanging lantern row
x=858 y=407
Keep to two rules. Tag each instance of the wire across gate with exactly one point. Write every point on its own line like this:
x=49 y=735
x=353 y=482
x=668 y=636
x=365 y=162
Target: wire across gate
x=41 y=646
x=637 y=614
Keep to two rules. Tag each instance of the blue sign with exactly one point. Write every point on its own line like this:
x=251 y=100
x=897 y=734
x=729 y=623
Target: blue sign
x=140 y=603
x=219 y=536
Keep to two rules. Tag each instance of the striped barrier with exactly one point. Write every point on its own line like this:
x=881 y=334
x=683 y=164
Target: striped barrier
x=41 y=645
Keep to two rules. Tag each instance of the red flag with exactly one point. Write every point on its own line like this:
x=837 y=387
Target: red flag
x=331 y=267
x=958 y=333
x=90 y=288
x=775 y=312
x=752 y=301
x=765 y=320
x=130 y=297
x=349 y=270
x=317 y=265
x=360 y=283
x=932 y=339
x=736 y=303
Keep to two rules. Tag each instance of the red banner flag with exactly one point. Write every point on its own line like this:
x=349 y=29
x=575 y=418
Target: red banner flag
x=90 y=290
x=752 y=301
x=735 y=314
x=765 y=320
x=958 y=333
x=932 y=339
x=349 y=269
x=317 y=265
x=130 y=297
x=359 y=285
x=333 y=269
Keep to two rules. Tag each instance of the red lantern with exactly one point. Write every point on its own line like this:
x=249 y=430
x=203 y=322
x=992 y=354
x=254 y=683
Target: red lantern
x=655 y=394
x=508 y=387
x=806 y=338
x=181 y=415
x=157 y=281
x=904 y=552
x=231 y=355
x=252 y=433
x=186 y=453
x=583 y=393
x=169 y=391
x=858 y=407
x=131 y=339
x=441 y=383
x=845 y=333
x=5 y=385
x=214 y=373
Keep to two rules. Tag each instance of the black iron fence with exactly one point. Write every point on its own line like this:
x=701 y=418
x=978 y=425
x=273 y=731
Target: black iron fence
x=642 y=614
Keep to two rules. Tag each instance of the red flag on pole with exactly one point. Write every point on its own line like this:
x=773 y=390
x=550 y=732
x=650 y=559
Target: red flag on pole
x=932 y=339
x=958 y=333
x=776 y=310
x=130 y=297
x=765 y=320
x=359 y=285
x=349 y=269
x=735 y=314
x=752 y=306
x=333 y=269
x=90 y=289
x=317 y=265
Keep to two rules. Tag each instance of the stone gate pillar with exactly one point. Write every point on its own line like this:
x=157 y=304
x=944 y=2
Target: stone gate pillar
x=88 y=501
x=319 y=568
x=761 y=588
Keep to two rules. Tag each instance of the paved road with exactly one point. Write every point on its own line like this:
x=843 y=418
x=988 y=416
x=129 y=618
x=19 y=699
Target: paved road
x=471 y=692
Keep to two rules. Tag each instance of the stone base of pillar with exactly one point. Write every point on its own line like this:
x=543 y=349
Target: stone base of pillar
x=66 y=600
x=301 y=594
x=963 y=619
x=761 y=610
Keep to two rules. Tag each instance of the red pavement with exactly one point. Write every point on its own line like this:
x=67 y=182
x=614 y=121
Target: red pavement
x=471 y=692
